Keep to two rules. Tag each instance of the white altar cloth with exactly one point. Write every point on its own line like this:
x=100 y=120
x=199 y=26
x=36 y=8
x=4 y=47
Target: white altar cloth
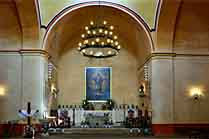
x=98 y=113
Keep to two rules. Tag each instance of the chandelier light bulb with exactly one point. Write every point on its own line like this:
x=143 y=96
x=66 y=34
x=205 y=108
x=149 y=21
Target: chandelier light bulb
x=102 y=43
x=108 y=40
x=118 y=47
x=106 y=32
x=93 y=43
x=89 y=32
x=116 y=43
x=94 y=32
x=97 y=39
x=105 y=22
x=111 y=41
x=86 y=41
x=100 y=30
x=80 y=44
x=79 y=48
x=110 y=32
x=86 y=28
x=83 y=50
x=115 y=37
x=109 y=52
x=91 y=23
x=82 y=36
x=111 y=27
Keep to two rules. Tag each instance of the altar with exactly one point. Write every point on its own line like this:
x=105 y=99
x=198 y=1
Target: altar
x=98 y=118
x=115 y=117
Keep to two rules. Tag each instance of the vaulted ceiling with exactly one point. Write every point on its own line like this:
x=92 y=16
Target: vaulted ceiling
x=10 y=28
x=145 y=8
x=183 y=27
x=66 y=33
x=19 y=25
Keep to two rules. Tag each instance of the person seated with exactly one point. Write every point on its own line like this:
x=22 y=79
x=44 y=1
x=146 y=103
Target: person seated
x=130 y=113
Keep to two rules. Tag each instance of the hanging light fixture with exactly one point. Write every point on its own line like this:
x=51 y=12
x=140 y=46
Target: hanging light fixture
x=99 y=41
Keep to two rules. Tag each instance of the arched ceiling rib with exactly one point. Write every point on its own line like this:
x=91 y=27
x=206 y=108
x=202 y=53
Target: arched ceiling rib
x=19 y=26
x=10 y=28
x=183 y=27
x=65 y=35
x=192 y=28
x=166 y=25
x=147 y=9
x=29 y=20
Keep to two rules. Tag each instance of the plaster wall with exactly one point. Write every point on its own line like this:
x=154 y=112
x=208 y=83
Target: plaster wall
x=162 y=90
x=171 y=84
x=10 y=86
x=21 y=81
x=191 y=73
x=71 y=77
x=34 y=81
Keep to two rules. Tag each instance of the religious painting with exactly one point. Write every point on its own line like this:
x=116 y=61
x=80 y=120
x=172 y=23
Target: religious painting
x=98 y=83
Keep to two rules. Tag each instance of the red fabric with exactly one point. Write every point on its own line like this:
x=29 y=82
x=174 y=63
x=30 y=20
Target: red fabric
x=16 y=130
x=1 y=130
x=163 y=129
x=169 y=129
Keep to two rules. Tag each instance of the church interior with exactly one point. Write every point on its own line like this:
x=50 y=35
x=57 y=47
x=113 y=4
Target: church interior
x=130 y=66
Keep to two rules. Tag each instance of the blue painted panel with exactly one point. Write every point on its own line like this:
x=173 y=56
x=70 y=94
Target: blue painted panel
x=98 y=83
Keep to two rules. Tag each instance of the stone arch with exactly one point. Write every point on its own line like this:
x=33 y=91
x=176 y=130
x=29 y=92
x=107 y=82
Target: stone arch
x=53 y=25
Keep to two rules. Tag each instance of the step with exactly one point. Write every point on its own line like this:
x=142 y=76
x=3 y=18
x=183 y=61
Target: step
x=92 y=131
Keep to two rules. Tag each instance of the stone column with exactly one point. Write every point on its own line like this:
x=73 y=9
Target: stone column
x=33 y=81
x=162 y=93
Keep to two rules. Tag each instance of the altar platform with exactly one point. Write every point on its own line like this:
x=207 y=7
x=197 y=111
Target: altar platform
x=94 y=131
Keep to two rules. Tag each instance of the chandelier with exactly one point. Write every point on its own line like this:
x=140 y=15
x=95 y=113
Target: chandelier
x=99 y=41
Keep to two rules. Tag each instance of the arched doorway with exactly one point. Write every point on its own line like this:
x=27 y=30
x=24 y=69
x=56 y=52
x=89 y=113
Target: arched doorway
x=63 y=35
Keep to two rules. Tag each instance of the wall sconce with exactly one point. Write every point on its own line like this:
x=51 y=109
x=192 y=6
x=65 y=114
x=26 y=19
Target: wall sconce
x=54 y=90
x=2 y=90
x=141 y=91
x=196 y=97
x=196 y=93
